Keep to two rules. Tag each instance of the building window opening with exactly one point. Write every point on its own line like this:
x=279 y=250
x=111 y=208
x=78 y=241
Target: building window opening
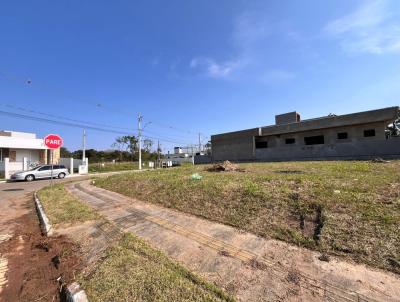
x=290 y=141
x=369 y=133
x=342 y=135
x=261 y=145
x=314 y=140
x=260 y=142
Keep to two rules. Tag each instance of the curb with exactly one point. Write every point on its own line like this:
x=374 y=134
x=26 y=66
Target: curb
x=44 y=221
x=73 y=292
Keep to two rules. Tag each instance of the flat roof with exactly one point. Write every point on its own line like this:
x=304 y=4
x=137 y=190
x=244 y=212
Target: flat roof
x=331 y=121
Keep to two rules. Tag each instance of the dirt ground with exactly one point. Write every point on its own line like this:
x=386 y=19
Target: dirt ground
x=38 y=265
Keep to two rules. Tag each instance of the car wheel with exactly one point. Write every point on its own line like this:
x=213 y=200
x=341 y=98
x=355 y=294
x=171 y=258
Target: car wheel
x=29 y=177
x=61 y=175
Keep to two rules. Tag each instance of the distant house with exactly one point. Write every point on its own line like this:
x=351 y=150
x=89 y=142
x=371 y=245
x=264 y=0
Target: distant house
x=361 y=135
x=20 y=151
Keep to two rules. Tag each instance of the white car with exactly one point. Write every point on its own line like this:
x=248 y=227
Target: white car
x=40 y=172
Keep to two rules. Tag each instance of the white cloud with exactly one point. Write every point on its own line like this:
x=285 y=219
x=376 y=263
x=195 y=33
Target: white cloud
x=250 y=38
x=213 y=69
x=371 y=28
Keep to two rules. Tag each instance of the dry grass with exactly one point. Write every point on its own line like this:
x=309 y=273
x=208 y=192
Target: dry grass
x=348 y=208
x=112 y=167
x=133 y=271
x=62 y=208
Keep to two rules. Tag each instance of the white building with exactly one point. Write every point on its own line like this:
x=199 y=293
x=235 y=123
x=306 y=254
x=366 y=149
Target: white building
x=20 y=151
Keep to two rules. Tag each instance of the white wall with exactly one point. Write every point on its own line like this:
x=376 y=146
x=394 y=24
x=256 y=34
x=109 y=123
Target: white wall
x=21 y=143
x=31 y=155
x=10 y=168
x=75 y=163
x=22 y=134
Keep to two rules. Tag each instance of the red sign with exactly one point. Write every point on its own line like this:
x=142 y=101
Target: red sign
x=53 y=141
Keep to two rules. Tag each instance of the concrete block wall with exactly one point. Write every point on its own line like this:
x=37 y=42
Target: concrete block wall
x=236 y=146
x=240 y=146
x=389 y=149
x=287 y=118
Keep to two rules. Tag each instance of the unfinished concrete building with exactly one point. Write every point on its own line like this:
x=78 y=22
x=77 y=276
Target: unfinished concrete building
x=362 y=135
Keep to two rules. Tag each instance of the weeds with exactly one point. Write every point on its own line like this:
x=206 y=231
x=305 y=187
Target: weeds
x=63 y=208
x=133 y=271
x=348 y=208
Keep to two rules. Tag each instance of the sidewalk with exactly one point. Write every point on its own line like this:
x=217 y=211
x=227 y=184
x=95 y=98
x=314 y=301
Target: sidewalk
x=247 y=266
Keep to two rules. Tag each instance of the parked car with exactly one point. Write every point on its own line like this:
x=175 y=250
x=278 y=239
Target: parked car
x=40 y=172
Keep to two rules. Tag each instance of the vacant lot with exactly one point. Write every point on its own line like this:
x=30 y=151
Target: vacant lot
x=350 y=209
x=111 y=167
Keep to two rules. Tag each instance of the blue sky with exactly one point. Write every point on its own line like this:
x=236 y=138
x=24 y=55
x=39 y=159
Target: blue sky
x=193 y=66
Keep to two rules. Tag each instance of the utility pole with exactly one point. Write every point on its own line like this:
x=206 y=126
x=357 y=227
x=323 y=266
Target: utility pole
x=140 y=117
x=158 y=153
x=199 y=142
x=84 y=146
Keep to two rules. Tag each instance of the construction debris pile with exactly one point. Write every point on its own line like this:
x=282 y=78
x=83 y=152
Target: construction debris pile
x=226 y=166
x=380 y=160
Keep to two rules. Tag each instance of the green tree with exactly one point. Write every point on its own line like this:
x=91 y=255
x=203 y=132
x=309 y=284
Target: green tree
x=128 y=143
x=64 y=152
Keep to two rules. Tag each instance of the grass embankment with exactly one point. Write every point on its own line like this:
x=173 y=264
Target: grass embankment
x=350 y=209
x=111 y=167
x=133 y=271
x=62 y=208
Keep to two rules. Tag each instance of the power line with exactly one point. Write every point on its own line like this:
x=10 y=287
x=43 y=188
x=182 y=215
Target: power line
x=71 y=124
x=98 y=105
x=62 y=117
x=87 y=123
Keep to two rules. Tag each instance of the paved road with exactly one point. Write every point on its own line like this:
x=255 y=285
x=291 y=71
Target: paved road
x=14 y=199
x=14 y=194
x=17 y=189
x=252 y=268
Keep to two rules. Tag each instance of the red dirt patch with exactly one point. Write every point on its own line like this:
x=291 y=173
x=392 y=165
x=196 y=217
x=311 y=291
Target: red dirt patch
x=38 y=266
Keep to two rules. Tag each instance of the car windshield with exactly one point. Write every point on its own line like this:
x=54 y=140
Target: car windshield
x=35 y=168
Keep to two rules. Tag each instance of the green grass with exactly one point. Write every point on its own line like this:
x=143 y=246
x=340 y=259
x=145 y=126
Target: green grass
x=111 y=167
x=62 y=208
x=347 y=208
x=133 y=271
